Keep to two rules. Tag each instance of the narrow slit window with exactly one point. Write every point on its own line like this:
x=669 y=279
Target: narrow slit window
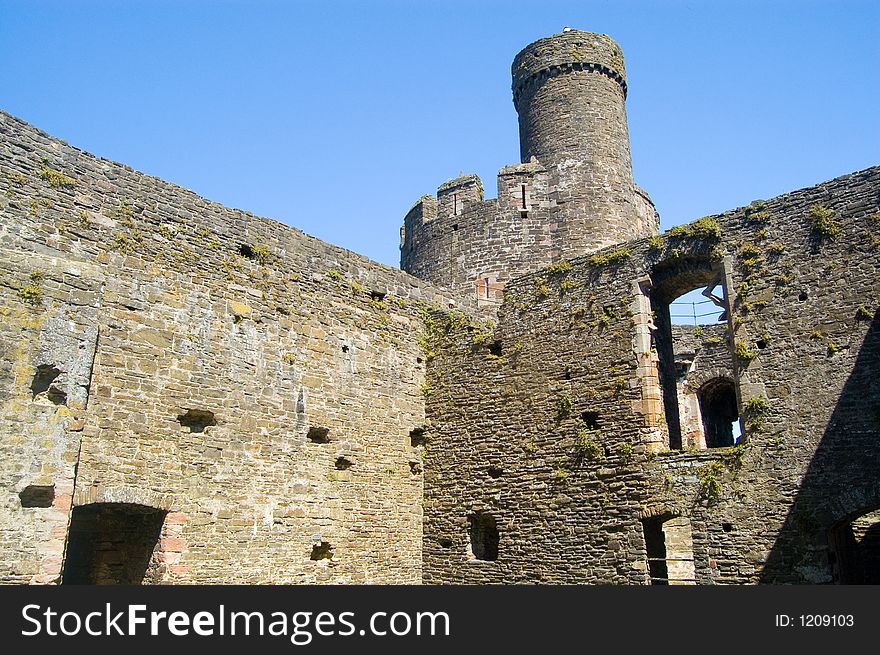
x=523 y=192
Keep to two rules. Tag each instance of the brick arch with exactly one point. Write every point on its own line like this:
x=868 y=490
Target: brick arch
x=658 y=510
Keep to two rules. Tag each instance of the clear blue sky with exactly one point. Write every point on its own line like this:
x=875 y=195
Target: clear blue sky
x=334 y=117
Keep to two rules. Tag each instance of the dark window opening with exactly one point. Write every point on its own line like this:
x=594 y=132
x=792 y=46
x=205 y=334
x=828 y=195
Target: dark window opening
x=455 y=207
x=455 y=227
x=855 y=546
x=655 y=544
x=42 y=381
x=495 y=471
x=803 y=296
x=197 y=419
x=343 y=463
x=523 y=192
x=727 y=527
x=113 y=543
x=36 y=495
x=669 y=549
x=445 y=543
x=591 y=420
x=717 y=400
x=495 y=348
x=415 y=467
x=761 y=343
x=484 y=536
x=417 y=437
x=377 y=295
x=246 y=251
x=318 y=434
x=321 y=550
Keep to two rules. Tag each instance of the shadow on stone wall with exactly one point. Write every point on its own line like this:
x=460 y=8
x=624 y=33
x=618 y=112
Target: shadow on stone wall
x=841 y=483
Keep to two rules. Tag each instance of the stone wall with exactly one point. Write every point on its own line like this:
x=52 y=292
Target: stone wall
x=216 y=397
x=256 y=386
x=550 y=426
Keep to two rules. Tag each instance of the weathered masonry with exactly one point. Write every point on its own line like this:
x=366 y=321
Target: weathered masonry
x=193 y=394
x=570 y=438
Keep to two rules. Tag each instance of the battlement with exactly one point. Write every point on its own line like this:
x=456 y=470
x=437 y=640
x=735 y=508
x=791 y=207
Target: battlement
x=567 y=51
x=647 y=216
x=523 y=187
x=454 y=196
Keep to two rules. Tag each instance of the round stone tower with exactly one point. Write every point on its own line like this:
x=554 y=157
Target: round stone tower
x=570 y=92
x=572 y=194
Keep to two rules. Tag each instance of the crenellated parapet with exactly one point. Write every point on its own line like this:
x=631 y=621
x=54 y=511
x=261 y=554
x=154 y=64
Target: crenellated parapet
x=456 y=195
x=524 y=187
x=474 y=246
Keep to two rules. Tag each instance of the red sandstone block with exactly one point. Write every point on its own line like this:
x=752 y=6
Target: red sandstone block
x=63 y=502
x=175 y=518
x=173 y=544
x=179 y=569
x=50 y=565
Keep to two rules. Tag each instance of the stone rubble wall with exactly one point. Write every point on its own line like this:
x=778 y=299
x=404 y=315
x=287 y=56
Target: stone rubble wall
x=199 y=347
x=553 y=431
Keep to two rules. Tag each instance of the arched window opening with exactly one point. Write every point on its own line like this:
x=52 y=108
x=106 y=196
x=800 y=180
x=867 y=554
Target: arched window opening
x=670 y=550
x=690 y=333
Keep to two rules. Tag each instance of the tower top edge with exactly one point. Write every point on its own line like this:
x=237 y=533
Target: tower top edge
x=571 y=47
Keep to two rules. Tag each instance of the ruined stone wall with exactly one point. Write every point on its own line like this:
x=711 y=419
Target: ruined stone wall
x=254 y=384
x=557 y=433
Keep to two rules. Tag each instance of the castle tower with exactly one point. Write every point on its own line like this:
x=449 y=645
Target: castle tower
x=570 y=93
x=572 y=194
